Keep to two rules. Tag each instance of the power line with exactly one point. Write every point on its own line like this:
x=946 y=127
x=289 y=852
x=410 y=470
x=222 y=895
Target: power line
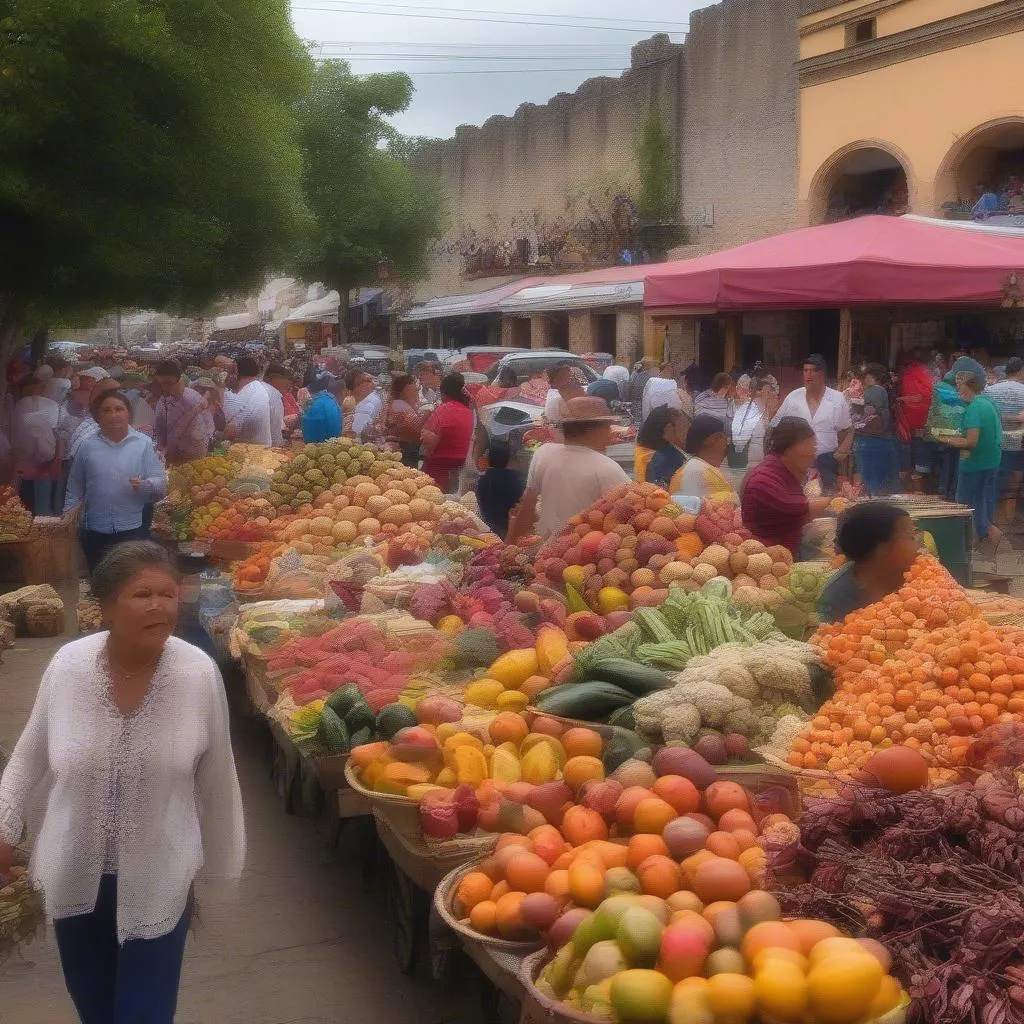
x=516 y=14
x=485 y=21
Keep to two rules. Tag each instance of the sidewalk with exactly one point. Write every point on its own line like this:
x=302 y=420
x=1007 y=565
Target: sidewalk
x=300 y=944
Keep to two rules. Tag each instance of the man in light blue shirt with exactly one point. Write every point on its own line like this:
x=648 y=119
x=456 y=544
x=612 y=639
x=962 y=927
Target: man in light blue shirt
x=115 y=474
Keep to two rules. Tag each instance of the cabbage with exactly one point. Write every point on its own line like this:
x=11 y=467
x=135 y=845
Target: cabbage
x=718 y=587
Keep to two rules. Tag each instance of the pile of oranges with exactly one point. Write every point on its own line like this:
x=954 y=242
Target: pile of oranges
x=919 y=668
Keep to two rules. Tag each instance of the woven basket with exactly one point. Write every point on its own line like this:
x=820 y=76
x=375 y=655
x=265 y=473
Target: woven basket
x=402 y=813
x=538 y=1008
x=427 y=861
x=51 y=554
x=444 y=898
x=22 y=916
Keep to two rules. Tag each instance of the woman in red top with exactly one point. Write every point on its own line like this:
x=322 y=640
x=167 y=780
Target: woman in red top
x=775 y=508
x=447 y=434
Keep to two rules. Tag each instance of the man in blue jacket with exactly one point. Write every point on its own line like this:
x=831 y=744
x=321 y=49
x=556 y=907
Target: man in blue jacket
x=322 y=418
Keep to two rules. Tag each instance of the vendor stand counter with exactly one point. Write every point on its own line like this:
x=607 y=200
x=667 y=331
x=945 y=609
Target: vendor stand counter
x=951 y=526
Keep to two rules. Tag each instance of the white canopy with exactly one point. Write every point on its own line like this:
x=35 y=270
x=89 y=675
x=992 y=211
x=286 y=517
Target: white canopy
x=323 y=311
x=560 y=297
x=235 y=322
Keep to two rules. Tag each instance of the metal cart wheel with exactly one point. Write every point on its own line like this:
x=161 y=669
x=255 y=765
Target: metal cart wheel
x=401 y=909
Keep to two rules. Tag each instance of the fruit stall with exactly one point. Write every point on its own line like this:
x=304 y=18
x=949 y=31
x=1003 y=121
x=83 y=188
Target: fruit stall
x=627 y=771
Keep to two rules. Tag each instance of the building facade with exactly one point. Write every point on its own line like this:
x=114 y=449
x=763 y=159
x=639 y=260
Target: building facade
x=909 y=106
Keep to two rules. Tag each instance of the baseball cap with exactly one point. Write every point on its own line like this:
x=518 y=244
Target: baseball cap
x=818 y=362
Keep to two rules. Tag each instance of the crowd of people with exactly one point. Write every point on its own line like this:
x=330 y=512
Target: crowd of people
x=95 y=437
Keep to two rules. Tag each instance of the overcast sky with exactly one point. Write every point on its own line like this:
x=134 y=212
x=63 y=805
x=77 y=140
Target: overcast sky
x=470 y=59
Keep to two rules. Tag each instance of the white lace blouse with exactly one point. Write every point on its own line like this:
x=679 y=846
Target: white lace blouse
x=153 y=795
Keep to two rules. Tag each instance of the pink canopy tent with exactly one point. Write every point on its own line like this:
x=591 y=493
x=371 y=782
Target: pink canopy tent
x=878 y=260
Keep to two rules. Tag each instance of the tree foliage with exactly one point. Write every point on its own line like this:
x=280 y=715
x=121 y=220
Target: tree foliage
x=147 y=152
x=368 y=205
x=657 y=200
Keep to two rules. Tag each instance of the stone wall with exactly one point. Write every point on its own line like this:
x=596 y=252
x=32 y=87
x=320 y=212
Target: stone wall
x=728 y=96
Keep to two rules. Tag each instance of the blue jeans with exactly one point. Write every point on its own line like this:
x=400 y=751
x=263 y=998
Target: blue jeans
x=111 y=983
x=978 y=490
x=876 y=463
x=827 y=466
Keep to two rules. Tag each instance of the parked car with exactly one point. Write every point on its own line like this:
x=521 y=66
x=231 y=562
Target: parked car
x=479 y=357
x=528 y=363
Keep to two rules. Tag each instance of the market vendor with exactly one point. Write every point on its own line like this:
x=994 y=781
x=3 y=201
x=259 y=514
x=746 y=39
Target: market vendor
x=706 y=444
x=568 y=478
x=774 y=505
x=564 y=388
x=659 y=454
x=880 y=541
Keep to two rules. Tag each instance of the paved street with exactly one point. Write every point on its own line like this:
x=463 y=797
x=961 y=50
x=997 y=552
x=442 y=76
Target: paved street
x=300 y=944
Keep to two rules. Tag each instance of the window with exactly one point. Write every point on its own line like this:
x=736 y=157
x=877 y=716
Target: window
x=861 y=32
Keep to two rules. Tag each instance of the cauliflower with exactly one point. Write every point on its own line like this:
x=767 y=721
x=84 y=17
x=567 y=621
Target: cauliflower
x=681 y=722
x=745 y=722
x=739 y=681
x=782 y=678
x=714 y=702
x=786 y=730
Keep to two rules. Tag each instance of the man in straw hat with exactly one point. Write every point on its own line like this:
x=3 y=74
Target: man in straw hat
x=568 y=478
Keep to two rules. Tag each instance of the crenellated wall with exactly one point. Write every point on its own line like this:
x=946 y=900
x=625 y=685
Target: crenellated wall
x=565 y=171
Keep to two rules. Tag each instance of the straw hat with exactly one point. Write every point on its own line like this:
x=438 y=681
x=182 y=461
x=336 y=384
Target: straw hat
x=589 y=409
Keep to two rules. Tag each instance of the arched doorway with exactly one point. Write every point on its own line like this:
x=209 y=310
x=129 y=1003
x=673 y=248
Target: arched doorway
x=859 y=180
x=987 y=162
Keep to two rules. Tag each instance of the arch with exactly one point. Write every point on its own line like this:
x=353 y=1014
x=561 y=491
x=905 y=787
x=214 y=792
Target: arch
x=972 y=159
x=828 y=175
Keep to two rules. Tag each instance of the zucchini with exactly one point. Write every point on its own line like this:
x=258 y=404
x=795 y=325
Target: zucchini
x=640 y=680
x=624 y=718
x=591 y=701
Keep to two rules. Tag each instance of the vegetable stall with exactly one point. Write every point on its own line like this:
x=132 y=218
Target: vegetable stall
x=634 y=775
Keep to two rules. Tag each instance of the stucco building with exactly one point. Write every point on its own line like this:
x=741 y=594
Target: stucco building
x=781 y=113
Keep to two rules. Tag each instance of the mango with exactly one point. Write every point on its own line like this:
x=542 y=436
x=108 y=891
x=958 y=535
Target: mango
x=469 y=764
x=540 y=765
x=512 y=669
x=484 y=693
x=505 y=767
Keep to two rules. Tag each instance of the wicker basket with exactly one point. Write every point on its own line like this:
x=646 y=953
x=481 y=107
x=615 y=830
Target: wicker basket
x=51 y=553
x=444 y=897
x=427 y=861
x=538 y=1008
x=22 y=916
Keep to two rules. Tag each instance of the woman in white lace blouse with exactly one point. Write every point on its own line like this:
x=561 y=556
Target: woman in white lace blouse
x=132 y=728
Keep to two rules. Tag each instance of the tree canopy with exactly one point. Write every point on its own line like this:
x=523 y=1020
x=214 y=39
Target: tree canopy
x=368 y=205
x=147 y=152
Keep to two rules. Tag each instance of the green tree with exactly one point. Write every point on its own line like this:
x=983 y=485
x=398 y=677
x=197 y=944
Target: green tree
x=657 y=200
x=369 y=206
x=147 y=153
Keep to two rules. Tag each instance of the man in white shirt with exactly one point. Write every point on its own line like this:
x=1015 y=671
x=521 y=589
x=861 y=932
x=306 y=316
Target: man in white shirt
x=249 y=422
x=567 y=478
x=661 y=389
x=369 y=405
x=564 y=387
x=428 y=373
x=828 y=413
x=276 y=414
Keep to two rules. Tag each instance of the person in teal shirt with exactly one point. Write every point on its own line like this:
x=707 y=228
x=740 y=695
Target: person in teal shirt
x=322 y=419
x=980 y=456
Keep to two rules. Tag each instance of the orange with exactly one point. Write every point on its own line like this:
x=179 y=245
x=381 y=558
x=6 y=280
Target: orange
x=508 y=727
x=659 y=876
x=580 y=769
x=526 y=872
x=680 y=793
x=642 y=846
x=579 y=742
x=652 y=814
x=770 y=935
x=557 y=885
x=586 y=882
x=810 y=932
x=581 y=824
x=723 y=844
x=484 y=917
x=474 y=888
x=508 y=918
